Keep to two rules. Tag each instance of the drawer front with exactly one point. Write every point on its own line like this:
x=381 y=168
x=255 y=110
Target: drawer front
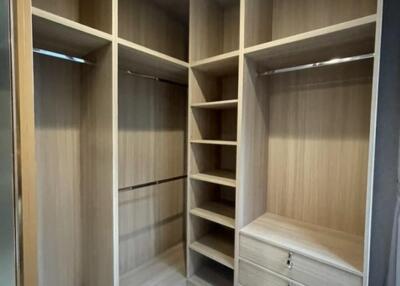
x=252 y=275
x=295 y=266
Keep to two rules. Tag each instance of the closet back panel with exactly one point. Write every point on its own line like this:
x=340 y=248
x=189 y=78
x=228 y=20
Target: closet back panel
x=152 y=130
x=94 y=13
x=150 y=222
x=318 y=145
x=74 y=156
x=149 y=24
x=268 y=20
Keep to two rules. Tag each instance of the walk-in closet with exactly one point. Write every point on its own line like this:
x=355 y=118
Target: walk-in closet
x=197 y=142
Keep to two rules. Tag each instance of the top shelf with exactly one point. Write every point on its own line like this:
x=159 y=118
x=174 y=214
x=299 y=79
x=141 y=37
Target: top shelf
x=57 y=33
x=336 y=248
x=345 y=39
x=144 y=60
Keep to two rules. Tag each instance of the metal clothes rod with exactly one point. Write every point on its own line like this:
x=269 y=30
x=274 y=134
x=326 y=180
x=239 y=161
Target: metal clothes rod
x=62 y=56
x=152 y=77
x=318 y=64
x=83 y=61
x=151 y=184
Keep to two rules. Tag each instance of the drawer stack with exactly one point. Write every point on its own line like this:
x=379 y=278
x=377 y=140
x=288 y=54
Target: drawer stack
x=278 y=251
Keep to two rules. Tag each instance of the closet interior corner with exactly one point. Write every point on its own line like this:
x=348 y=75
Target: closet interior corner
x=203 y=142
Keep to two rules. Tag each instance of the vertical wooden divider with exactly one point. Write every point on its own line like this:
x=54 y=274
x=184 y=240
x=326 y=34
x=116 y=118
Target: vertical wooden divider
x=115 y=139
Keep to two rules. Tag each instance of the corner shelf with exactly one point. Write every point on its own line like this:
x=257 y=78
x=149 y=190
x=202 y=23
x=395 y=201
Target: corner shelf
x=216 y=245
x=221 y=177
x=218 y=212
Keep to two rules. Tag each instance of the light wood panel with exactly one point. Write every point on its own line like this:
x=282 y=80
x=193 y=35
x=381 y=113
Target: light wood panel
x=57 y=120
x=217 y=177
x=74 y=155
x=152 y=123
x=97 y=163
x=96 y=14
x=58 y=34
x=318 y=145
x=211 y=273
x=214 y=27
x=150 y=223
x=148 y=24
x=270 y=20
x=24 y=138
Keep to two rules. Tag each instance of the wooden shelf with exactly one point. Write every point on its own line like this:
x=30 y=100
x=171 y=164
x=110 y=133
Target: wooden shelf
x=335 y=248
x=59 y=34
x=214 y=142
x=222 y=104
x=211 y=275
x=221 y=177
x=142 y=59
x=219 y=65
x=218 y=212
x=218 y=246
x=344 y=39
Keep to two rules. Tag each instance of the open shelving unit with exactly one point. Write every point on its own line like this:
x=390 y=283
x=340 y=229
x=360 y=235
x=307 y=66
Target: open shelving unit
x=231 y=101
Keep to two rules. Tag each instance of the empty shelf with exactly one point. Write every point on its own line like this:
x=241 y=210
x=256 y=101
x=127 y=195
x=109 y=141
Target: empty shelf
x=221 y=177
x=57 y=33
x=214 y=142
x=344 y=39
x=223 y=104
x=211 y=275
x=217 y=246
x=336 y=248
x=218 y=212
x=219 y=65
x=144 y=60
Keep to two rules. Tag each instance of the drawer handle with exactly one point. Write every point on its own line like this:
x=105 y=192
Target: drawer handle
x=289 y=261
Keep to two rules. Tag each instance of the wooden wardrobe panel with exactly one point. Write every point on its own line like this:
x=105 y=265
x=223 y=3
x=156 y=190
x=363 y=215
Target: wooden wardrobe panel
x=152 y=130
x=57 y=121
x=136 y=136
x=150 y=222
x=170 y=128
x=148 y=24
x=97 y=187
x=318 y=145
x=293 y=16
x=65 y=8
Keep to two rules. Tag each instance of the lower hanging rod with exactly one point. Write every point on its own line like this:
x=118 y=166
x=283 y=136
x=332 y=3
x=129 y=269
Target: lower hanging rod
x=318 y=64
x=157 y=182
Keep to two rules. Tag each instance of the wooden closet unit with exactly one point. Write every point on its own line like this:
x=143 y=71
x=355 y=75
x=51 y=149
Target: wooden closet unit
x=197 y=142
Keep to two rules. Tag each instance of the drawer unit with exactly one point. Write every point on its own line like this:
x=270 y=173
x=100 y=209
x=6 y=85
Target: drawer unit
x=295 y=266
x=254 y=275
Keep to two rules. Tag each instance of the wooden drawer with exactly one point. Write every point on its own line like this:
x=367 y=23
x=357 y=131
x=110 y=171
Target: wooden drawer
x=302 y=269
x=253 y=275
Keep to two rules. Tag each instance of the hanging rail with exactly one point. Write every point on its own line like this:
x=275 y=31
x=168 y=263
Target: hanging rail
x=157 y=182
x=318 y=64
x=84 y=61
